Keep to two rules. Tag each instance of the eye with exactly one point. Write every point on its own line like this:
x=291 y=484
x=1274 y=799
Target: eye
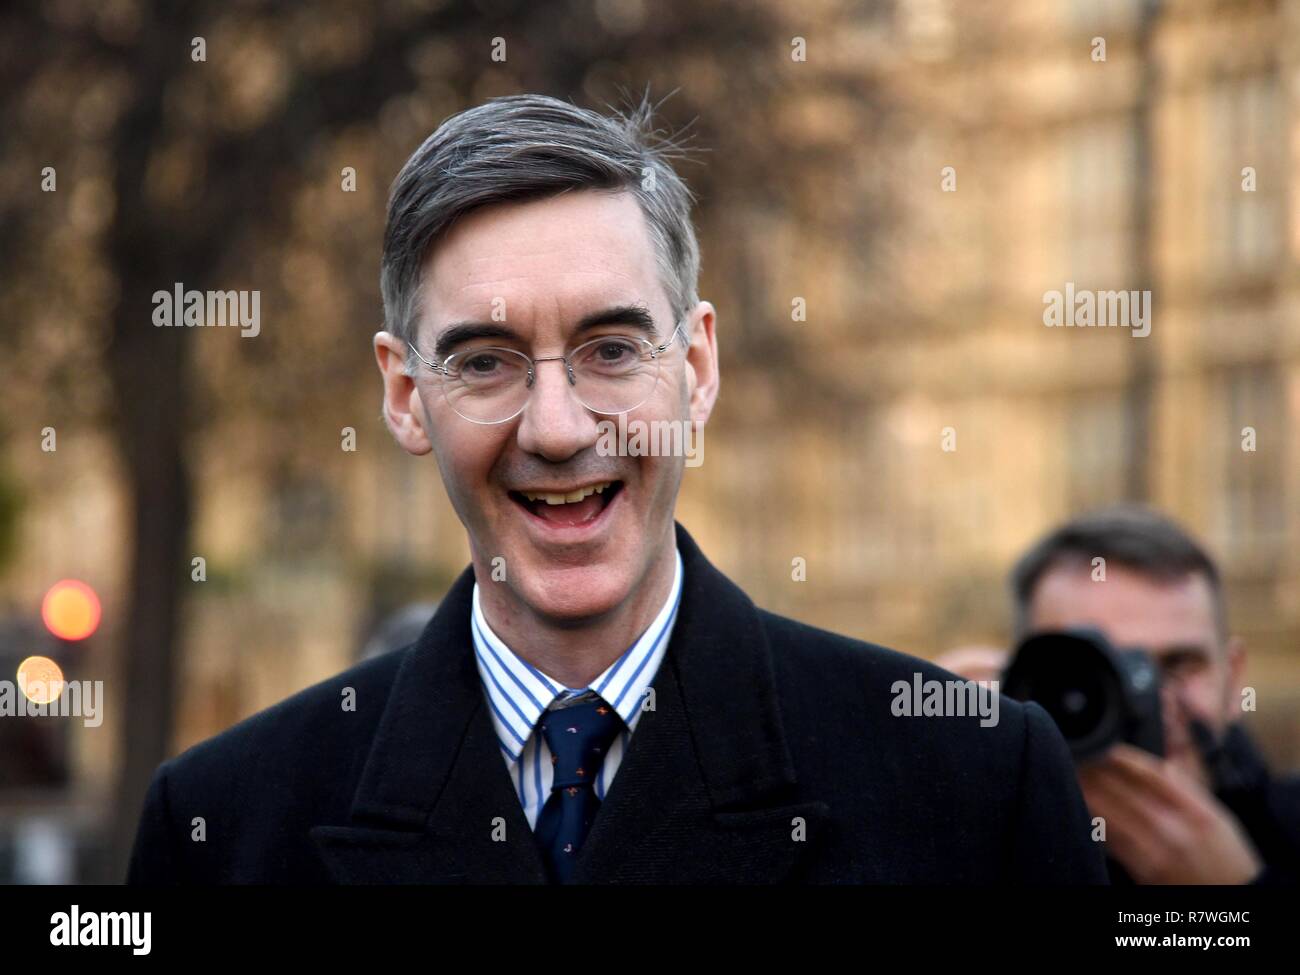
x=612 y=353
x=482 y=363
x=1181 y=664
x=483 y=366
x=614 y=349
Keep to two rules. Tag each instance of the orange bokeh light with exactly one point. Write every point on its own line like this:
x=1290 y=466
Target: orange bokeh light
x=41 y=680
x=71 y=610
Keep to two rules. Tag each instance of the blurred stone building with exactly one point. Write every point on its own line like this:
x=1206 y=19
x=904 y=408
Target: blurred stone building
x=1166 y=166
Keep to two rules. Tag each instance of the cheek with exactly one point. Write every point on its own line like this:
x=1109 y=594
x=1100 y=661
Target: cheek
x=1203 y=695
x=671 y=399
x=661 y=475
x=465 y=458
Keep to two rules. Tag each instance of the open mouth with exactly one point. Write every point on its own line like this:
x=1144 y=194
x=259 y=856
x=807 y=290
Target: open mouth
x=575 y=507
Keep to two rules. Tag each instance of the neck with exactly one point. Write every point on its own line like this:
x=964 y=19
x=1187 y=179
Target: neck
x=576 y=652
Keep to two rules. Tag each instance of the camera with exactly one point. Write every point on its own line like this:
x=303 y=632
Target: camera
x=1098 y=694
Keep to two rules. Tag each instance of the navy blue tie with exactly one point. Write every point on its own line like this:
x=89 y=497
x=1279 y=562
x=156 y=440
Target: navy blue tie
x=579 y=736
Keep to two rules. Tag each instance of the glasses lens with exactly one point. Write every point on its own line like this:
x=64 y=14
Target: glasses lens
x=615 y=373
x=486 y=385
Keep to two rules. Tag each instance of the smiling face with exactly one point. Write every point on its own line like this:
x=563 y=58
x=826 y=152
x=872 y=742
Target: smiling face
x=564 y=270
x=1173 y=621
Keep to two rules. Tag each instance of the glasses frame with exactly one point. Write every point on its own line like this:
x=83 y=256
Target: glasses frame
x=655 y=351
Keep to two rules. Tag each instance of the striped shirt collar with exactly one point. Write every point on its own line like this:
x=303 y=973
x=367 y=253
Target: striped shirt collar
x=518 y=692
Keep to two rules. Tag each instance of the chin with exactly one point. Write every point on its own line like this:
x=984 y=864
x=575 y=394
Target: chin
x=575 y=592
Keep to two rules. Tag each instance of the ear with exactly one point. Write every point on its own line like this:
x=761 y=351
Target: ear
x=1236 y=666
x=702 y=360
x=403 y=409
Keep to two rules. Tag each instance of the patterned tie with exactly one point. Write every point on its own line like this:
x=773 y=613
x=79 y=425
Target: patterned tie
x=578 y=736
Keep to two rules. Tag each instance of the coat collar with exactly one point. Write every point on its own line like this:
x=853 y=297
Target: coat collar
x=706 y=791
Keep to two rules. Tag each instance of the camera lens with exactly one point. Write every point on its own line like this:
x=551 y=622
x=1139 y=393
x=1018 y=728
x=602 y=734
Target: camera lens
x=1073 y=678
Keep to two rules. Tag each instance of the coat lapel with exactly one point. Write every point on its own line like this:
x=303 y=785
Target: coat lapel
x=706 y=792
x=435 y=803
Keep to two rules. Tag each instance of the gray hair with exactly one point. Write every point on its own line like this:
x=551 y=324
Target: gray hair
x=527 y=147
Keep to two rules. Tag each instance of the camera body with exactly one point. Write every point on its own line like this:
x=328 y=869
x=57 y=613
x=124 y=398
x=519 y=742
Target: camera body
x=1098 y=694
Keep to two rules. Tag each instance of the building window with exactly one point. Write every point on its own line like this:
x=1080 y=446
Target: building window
x=1096 y=427
x=1253 y=488
x=1245 y=225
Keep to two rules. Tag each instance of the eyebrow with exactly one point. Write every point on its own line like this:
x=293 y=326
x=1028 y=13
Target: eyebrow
x=633 y=316
x=1185 y=649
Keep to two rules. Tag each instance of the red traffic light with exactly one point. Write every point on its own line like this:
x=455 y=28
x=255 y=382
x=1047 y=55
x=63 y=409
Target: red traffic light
x=71 y=610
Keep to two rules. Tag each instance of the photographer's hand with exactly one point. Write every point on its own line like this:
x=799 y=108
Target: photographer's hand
x=1163 y=826
x=977 y=663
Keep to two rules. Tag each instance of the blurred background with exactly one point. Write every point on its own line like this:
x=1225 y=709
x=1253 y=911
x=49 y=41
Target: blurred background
x=824 y=129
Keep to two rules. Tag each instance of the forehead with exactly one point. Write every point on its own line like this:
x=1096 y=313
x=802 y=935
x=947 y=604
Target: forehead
x=1130 y=608
x=556 y=256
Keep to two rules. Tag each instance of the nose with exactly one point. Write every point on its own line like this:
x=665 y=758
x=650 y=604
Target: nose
x=1175 y=712
x=555 y=425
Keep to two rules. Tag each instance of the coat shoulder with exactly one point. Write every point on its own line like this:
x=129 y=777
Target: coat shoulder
x=978 y=786
x=329 y=723
x=868 y=685
x=235 y=807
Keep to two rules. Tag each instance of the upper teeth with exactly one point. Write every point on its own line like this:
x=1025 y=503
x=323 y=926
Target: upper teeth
x=572 y=496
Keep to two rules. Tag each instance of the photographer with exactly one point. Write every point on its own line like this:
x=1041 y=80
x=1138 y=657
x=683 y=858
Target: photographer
x=1207 y=811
